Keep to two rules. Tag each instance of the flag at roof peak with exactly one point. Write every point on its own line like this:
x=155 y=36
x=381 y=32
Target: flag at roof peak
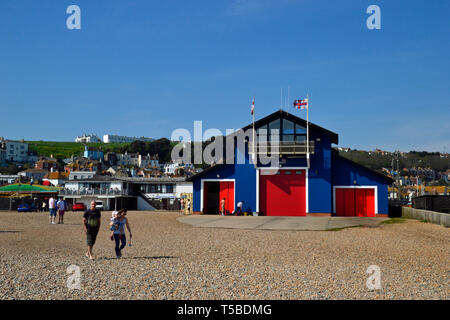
x=301 y=104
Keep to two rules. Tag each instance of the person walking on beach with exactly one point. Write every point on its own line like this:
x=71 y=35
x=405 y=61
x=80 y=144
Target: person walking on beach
x=91 y=223
x=52 y=208
x=62 y=207
x=119 y=233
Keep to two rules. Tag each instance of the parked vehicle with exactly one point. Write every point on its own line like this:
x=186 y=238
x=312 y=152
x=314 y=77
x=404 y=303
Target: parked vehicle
x=99 y=205
x=78 y=206
x=26 y=207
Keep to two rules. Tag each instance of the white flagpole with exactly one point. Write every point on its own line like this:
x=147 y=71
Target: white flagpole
x=254 y=142
x=307 y=130
x=281 y=99
x=288 y=98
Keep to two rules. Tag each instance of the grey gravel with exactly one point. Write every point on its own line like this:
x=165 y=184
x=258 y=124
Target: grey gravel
x=172 y=260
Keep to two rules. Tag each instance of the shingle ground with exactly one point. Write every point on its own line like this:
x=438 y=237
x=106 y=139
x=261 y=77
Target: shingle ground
x=172 y=260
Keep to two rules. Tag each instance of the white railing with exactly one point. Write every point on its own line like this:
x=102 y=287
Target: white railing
x=92 y=192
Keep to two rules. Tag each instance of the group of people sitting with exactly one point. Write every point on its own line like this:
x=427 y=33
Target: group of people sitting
x=237 y=212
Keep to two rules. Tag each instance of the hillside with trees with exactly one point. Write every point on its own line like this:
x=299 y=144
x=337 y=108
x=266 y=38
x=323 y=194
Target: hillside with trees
x=413 y=159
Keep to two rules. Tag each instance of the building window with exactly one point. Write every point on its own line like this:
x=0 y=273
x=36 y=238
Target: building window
x=300 y=133
x=274 y=125
x=288 y=131
x=169 y=188
x=288 y=127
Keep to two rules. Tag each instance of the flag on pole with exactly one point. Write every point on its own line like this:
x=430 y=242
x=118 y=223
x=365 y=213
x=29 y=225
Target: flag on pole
x=304 y=104
x=253 y=106
x=301 y=104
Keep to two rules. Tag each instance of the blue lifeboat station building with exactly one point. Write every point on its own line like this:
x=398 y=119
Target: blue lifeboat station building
x=331 y=184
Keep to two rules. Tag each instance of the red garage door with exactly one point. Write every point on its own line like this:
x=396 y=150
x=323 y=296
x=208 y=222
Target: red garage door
x=283 y=194
x=227 y=192
x=214 y=192
x=355 y=202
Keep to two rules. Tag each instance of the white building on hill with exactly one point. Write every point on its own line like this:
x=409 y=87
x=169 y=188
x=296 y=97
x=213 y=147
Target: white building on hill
x=15 y=151
x=88 y=138
x=110 y=138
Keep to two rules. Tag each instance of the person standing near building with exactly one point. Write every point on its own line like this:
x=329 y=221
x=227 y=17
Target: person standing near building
x=189 y=206
x=222 y=207
x=239 y=208
x=182 y=206
x=91 y=223
x=52 y=208
x=62 y=207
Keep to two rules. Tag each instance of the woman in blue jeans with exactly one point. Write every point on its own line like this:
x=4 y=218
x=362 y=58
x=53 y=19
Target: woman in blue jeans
x=119 y=232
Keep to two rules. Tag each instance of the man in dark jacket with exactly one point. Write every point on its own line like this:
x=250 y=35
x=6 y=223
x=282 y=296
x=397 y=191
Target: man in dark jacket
x=91 y=223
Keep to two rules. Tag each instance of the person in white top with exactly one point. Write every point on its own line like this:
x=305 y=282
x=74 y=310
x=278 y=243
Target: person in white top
x=239 y=208
x=52 y=209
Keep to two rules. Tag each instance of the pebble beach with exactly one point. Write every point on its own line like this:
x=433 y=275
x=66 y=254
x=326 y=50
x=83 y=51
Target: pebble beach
x=172 y=260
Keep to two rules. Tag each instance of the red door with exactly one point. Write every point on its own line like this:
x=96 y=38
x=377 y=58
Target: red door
x=283 y=193
x=227 y=192
x=355 y=202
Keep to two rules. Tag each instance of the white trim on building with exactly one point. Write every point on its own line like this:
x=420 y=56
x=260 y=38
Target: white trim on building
x=217 y=180
x=284 y=168
x=356 y=187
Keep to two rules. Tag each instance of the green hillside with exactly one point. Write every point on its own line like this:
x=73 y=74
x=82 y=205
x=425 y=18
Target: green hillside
x=62 y=150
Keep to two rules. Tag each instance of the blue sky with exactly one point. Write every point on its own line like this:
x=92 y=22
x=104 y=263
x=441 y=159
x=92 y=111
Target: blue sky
x=145 y=68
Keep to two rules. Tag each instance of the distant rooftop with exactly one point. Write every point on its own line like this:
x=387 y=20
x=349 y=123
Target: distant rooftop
x=100 y=178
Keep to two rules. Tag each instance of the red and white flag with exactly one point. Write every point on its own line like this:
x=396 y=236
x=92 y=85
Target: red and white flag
x=301 y=103
x=253 y=106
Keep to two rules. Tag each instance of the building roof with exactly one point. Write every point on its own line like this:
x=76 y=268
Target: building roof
x=284 y=114
x=388 y=179
x=100 y=178
x=95 y=178
x=201 y=173
x=154 y=179
x=27 y=188
x=34 y=170
x=56 y=175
